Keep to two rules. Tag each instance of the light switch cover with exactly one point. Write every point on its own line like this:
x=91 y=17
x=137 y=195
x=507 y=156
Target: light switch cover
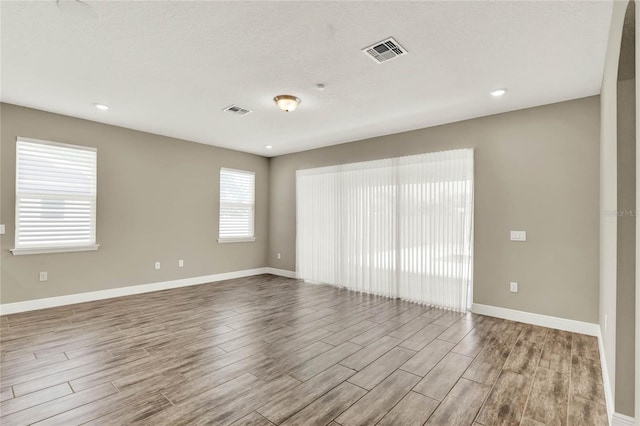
x=518 y=235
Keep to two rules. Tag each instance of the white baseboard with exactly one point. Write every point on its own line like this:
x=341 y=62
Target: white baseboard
x=538 y=319
x=50 y=302
x=608 y=392
x=282 y=272
x=566 y=325
x=622 y=420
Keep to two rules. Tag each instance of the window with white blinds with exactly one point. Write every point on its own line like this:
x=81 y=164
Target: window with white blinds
x=55 y=197
x=237 y=205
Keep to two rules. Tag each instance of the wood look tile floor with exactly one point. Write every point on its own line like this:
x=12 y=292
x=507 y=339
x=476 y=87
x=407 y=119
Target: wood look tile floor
x=268 y=350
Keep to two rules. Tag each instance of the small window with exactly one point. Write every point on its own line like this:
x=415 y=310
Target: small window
x=237 y=205
x=55 y=197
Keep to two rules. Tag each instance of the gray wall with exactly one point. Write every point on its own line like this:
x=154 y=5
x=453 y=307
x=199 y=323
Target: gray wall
x=609 y=195
x=617 y=171
x=625 y=313
x=626 y=222
x=157 y=201
x=536 y=170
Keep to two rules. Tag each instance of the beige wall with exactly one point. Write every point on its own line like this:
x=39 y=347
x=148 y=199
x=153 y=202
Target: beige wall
x=536 y=170
x=626 y=238
x=157 y=201
x=637 y=310
x=609 y=194
x=614 y=311
x=626 y=242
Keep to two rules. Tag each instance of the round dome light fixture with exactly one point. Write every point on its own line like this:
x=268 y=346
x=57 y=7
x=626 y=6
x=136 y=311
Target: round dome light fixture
x=287 y=103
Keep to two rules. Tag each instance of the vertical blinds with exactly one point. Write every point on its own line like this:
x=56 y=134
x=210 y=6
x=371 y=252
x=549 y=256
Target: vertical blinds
x=55 y=195
x=237 y=204
x=398 y=227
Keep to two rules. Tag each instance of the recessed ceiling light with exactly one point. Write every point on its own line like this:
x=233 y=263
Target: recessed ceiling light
x=287 y=103
x=101 y=107
x=77 y=9
x=320 y=86
x=498 y=92
x=268 y=146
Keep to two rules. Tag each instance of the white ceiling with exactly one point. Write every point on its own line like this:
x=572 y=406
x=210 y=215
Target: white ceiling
x=169 y=67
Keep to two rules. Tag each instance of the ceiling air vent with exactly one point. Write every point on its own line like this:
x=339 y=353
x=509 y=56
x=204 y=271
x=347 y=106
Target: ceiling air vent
x=384 y=50
x=234 y=109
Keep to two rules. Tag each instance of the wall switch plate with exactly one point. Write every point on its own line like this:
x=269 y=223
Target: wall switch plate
x=278 y=255
x=43 y=276
x=157 y=265
x=2 y=229
x=513 y=287
x=518 y=235
x=180 y=263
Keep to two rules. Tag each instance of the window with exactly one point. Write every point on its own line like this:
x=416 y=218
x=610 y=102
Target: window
x=237 y=205
x=397 y=227
x=55 y=197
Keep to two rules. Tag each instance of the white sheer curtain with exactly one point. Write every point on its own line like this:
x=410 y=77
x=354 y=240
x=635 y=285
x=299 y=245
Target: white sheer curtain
x=398 y=227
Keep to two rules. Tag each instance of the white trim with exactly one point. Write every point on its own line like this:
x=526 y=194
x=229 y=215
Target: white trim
x=42 y=250
x=538 y=319
x=236 y=240
x=566 y=325
x=622 y=420
x=63 y=145
x=50 y=302
x=282 y=272
x=608 y=391
x=230 y=169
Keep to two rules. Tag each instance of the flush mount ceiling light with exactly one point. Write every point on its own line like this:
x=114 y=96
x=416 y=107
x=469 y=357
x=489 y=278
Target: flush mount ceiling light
x=287 y=103
x=77 y=9
x=498 y=92
x=268 y=146
x=101 y=107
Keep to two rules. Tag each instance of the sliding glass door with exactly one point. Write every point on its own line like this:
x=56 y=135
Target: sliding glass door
x=398 y=227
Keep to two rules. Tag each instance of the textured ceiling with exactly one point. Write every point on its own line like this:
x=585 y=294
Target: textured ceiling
x=170 y=67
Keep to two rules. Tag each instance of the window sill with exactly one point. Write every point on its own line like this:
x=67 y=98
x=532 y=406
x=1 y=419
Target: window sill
x=236 y=240
x=43 y=250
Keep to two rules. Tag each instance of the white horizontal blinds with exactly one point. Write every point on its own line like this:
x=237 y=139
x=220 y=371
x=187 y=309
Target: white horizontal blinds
x=237 y=204
x=399 y=227
x=55 y=195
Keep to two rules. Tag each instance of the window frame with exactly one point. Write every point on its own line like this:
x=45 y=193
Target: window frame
x=237 y=239
x=17 y=250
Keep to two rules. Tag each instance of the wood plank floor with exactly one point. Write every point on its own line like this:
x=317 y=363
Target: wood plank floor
x=268 y=350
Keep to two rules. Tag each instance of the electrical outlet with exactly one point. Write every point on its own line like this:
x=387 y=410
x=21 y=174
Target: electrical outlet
x=157 y=265
x=1 y=229
x=513 y=287
x=43 y=276
x=180 y=263
x=278 y=255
